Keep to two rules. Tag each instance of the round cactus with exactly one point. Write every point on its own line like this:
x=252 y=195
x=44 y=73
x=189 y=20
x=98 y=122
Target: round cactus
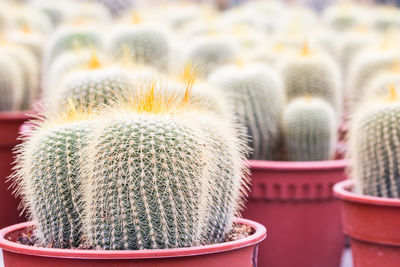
x=365 y=66
x=374 y=145
x=309 y=130
x=257 y=96
x=29 y=39
x=378 y=86
x=71 y=38
x=146 y=45
x=67 y=63
x=149 y=173
x=207 y=53
x=312 y=74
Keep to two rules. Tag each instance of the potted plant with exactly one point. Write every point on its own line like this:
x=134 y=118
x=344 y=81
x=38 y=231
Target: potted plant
x=293 y=123
x=370 y=201
x=149 y=180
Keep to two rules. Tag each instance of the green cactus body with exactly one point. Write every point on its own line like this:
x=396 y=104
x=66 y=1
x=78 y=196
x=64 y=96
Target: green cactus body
x=365 y=66
x=146 y=45
x=56 y=12
x=313 y=75
x=374 y=148
x=50 y=165
x=11 y=84
x=91 y=88
x=30 y=72
x=207 y=53
x=257 y=96
x=309 y=130
x=71 y=38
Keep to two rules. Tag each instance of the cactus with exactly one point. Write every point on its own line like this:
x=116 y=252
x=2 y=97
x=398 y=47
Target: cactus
x=209 y=52
x=345 y=16
x=312 y=74
x=351 y=43
x=25 y=37
x=156 y=174
x=11 y=84
x=71 y=38
x=374 y=147
x=30 y=72
x=257 y=95
x=146 y=44
x=117 y=7
x=67 y=63
x=309 y=130
x=92 y=87
x=365 y=66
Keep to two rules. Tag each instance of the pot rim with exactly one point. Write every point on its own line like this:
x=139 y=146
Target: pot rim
x=16 y=115
x=342 y=190
x=291 y=166
x=258 y=236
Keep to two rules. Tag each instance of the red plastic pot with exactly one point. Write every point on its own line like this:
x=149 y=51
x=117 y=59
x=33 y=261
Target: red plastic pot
x=10 y=123
x=294 y=200
x=239 y=253
x=373 y=224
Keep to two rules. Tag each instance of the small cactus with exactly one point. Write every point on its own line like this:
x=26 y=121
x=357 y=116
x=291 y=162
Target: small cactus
x=378 y=85
x=309 y=130
x=257 y=96
x=30 y=72
x=312 y=74
x=92 y=87
x=71 y=38
x=374 y=147
x=11 y=83
x=66 y=64
x=207 y=53
x=145 y=44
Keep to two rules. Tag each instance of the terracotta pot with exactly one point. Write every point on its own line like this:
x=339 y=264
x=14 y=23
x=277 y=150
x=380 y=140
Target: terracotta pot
x=294 y=200
x=10 y=123
x=373 y=224
x=239 y=253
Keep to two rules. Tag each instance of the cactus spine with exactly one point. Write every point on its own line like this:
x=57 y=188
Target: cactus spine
x=309 y=130
x=257 y=96
x=374 y=147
